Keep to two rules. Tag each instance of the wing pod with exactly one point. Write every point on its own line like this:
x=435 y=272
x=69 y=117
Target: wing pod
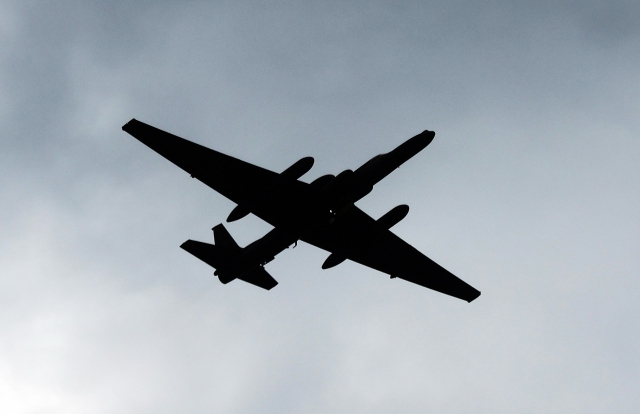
x=238 y=212
x=299 y=168
x=394 y=216
x=334 y=259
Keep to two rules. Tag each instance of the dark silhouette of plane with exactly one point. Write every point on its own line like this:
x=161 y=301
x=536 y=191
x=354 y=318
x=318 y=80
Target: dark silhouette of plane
x=321 y=213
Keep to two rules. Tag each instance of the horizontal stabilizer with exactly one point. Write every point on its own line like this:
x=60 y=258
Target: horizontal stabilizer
x=260 y=278
x=212 y=255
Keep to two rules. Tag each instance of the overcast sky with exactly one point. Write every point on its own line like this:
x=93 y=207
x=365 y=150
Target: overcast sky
x=530 y=192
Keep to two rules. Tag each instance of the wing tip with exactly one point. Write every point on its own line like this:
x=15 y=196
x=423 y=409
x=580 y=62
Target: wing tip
x=272 y=286
x=428 y=136
x=128 y=126
x=475 y=296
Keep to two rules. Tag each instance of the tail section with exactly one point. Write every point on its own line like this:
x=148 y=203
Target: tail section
x=228 y=260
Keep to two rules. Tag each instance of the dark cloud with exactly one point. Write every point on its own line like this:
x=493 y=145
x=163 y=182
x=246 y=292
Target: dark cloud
x=529 y=192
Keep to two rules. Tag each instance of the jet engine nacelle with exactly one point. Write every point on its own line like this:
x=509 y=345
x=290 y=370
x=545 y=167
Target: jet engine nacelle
x=299 y=168
x=394 y=216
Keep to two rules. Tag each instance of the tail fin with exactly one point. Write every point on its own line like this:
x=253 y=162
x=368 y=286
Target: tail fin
x=222 y=237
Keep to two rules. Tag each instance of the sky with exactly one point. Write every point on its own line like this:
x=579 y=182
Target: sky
x=529 y=192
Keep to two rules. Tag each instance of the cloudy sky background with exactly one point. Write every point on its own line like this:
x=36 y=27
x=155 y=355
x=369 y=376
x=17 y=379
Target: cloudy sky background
x=529 y=192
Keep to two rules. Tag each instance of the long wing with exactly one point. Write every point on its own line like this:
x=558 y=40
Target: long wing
x=277 y=199
x=361 y=239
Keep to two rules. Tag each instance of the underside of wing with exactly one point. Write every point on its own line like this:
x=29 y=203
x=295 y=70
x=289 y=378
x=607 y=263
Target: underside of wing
x=272 y=197
x=360 y=238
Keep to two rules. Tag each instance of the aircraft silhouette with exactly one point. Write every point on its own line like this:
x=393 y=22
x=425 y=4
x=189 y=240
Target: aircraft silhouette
x=321 y=213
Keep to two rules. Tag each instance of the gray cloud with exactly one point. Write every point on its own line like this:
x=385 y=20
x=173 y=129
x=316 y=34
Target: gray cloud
x=529 y=192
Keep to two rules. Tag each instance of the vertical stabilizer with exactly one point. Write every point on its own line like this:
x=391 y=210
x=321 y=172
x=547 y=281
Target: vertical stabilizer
x=222 y=237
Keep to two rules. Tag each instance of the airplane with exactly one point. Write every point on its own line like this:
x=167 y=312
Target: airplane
x=321 y=213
